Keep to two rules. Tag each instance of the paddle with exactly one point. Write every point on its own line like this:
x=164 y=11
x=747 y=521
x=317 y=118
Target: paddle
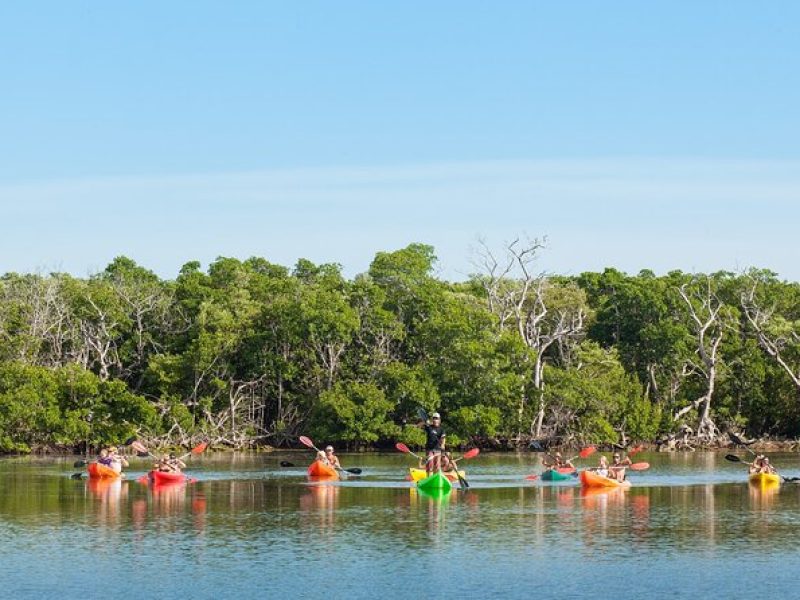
x=405 y=450
x=737 y=459
x=306 y=441
x=286 y=463
x=468 y=454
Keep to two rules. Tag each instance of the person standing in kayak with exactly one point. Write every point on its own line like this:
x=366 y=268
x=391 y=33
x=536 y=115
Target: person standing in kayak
x=434 y=443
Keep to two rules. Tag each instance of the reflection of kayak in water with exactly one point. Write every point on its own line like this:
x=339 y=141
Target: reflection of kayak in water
x=104 y=486
x=320 y=469
x=98 y=471
x=420 y=474
x=591 y=479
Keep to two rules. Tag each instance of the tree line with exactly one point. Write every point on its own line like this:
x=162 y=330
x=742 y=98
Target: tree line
x=251 y=353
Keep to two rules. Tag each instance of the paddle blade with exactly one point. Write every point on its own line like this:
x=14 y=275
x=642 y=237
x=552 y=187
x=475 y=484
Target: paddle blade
x=587 y=452
x=422 y=414
x=138 y=447
x=286 y=463
x=635 y=449
x=402 y=448
x=471 y=453
x=354 y=471
x=733 y=458
x=200 y=448
x=76 y=476
x=79 y=463
x=641 y=466
x=566 y=470
x=306 y=441
x=129 y=441
x=532 y=477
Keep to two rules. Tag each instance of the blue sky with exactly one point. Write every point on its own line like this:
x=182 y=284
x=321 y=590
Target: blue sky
x=631 y=134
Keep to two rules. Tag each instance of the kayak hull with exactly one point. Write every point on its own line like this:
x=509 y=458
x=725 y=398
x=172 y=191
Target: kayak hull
x=164 y=477
x=591 y=479
x=321 y=470
x=436 y=482
x=98 y=471
x=420 y=474
x=553 y=475
x=764 y=479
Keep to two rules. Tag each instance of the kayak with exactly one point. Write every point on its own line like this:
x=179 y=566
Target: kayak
x=98 y=471
x=592 y=479
x=166 y=477
x=320 y=469
x=419 y=474
x=765 y=479
x=437 y=481
x=554 y=475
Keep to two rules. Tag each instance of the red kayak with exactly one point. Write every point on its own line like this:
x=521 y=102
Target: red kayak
x=98 y=471
x=165 y=477
x=320 y=469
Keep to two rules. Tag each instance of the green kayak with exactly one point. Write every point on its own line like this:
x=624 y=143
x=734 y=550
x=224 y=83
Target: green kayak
x=553 y=475
x=437 y=481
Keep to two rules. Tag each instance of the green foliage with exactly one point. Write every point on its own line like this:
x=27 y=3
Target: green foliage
x=250 y=350
x=356 y=413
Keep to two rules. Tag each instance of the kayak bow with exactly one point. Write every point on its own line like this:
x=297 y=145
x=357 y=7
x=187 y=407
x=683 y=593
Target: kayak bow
x=98 y=471
x=594 y=480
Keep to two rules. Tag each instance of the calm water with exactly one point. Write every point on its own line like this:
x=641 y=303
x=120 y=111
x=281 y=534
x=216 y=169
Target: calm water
x=690 y=526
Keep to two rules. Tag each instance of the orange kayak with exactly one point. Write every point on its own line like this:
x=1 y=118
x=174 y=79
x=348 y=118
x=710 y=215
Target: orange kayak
x=320 y=469
x=593 y=480
x=98 y=471
x=165 y=477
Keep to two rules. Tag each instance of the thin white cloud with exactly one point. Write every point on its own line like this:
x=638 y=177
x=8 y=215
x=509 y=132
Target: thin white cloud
x=692 y=214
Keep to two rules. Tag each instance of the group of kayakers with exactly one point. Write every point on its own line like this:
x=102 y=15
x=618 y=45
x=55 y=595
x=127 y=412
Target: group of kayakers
x=110 y=457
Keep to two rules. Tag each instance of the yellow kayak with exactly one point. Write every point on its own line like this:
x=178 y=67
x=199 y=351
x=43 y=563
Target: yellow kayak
x=765 y=479
x=419 y=474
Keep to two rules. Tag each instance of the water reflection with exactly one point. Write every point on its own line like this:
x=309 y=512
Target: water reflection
x=109 y=494
x=319 y=506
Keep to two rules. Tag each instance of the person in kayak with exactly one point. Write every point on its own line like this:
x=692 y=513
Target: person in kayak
x=434 y=443
x=559 y=462
x=761 y=464
x=331 y=458
x=169 y=463
x=602 y=468
x=616 y=469
x=103 y=458
x=117 y=461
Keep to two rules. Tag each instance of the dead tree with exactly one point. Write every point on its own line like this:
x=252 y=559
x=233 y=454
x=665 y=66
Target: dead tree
x=776 y=336
x=704 y=310
x=520 y=300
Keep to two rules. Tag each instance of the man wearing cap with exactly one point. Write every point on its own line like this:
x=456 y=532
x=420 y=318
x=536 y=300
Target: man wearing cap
x=434 y=443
